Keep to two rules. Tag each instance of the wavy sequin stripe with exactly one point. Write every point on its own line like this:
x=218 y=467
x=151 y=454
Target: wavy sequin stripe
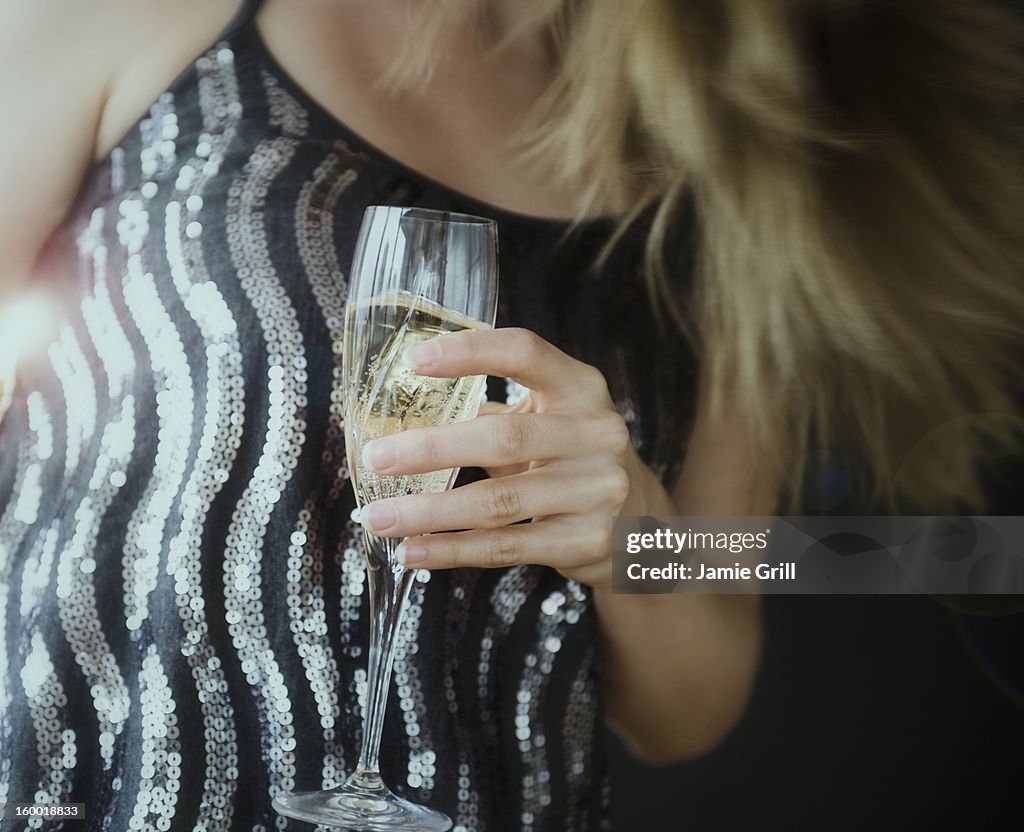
x=149 y=523
x=160 y=763
x=34 y=452
x=350 y=560
x=507 y=597
x=12 y=532
x=20 y=514
x=172 y=389
x=314 y=233
x=76 y=594
x=114 y=350
x=143 y=544
x=157 y=154
x=469 y=798
x=75 y=378
x=530 y=736
x=422 y=757
x=577 y=739
x=223 y=423
x=8 y=543
x=462 y=593
x=307 y=614
x=37 y=571
x=286 y=114
x=57 y=752
x=560 y=610
x=282 y=445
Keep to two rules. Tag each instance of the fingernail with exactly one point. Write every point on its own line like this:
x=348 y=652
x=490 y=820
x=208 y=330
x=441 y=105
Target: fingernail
x=379 y=454
x=409 y=554
x=379 y=518
x=422 y=356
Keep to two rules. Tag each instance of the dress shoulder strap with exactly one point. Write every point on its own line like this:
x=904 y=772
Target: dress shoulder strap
x=243 y=17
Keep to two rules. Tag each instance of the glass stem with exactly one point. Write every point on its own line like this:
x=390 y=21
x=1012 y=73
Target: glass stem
x=389 y=587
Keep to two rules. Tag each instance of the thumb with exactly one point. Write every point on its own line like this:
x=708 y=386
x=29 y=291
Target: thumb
x=490 y=408
x=524 y=405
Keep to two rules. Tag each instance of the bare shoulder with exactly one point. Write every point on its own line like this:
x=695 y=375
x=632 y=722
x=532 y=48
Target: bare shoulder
x=53 y=72
x=74 y=77
x=105 y=60
x=157 y=40
x=45 y=40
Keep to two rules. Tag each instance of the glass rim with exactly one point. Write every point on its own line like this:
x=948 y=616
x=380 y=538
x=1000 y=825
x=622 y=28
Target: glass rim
x=436 y=215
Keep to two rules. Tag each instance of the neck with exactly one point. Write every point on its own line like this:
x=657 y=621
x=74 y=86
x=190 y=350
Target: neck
x=474 y=29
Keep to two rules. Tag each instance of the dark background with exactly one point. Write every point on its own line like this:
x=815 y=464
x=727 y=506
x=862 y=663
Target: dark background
x=869 y=713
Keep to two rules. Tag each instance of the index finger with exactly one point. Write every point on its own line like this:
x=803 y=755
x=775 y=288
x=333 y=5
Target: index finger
x=514 y=353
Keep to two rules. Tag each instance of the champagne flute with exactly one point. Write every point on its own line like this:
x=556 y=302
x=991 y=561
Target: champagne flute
x=417 y=274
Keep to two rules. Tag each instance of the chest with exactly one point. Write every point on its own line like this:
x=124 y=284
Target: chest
x=460 y=125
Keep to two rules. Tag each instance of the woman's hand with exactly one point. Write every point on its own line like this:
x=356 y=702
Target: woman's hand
x=561 y=457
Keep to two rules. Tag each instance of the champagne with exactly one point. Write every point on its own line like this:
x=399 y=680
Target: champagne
x=392 y=396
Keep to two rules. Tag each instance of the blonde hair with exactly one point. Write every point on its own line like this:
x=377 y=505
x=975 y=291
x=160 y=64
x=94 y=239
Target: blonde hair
x=856 y=171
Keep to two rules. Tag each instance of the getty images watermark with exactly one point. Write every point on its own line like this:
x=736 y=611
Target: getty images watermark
x=819 y=555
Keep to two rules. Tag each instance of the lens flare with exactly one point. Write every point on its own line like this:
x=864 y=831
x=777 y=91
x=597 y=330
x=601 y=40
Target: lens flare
x=24 y=327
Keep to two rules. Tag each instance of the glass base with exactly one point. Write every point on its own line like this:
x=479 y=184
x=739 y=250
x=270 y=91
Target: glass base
x=361 y=804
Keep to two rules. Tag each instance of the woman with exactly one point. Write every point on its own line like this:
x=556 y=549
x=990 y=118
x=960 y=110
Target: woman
x=182 y=611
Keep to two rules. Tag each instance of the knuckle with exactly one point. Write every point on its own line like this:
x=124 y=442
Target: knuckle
x=617 y=485
x=502 y=503
x=502 y=551
x=593 y=377
x=451 y=552
x=526 y=345
x=616 y=433
x=514 y=435
x=599 y=543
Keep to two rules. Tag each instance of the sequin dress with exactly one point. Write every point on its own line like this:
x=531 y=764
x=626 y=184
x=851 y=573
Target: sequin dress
x=183 y=620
